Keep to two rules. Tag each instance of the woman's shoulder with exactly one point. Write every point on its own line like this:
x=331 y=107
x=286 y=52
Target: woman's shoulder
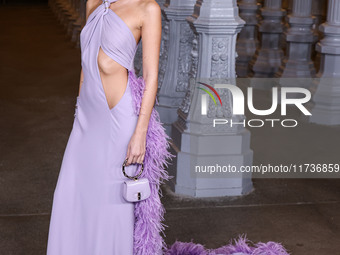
x=150 y=7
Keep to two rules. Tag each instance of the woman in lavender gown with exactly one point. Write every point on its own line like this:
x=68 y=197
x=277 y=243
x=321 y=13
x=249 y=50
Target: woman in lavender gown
x=114 y=120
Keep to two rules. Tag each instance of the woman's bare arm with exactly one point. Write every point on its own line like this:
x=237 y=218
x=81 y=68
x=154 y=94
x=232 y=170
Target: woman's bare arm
x=151 y=34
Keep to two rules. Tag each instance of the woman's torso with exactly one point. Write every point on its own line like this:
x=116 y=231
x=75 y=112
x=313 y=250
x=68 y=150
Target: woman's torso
x=113 y=75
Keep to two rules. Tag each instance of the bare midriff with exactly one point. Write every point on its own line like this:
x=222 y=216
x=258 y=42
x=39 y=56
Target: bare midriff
x=114 y=78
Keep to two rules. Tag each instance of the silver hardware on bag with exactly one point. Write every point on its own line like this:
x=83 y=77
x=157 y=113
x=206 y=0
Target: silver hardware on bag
x=135 y=189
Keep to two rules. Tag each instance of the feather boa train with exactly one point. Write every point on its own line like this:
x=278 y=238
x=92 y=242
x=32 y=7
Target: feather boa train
x=241 y=247
x=149 y=213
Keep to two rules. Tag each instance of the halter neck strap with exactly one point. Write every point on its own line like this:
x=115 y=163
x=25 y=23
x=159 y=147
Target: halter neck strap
x=107 y=4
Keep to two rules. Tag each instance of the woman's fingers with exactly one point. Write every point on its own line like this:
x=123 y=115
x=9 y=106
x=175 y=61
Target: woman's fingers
x=134 y=158
x=141 y=159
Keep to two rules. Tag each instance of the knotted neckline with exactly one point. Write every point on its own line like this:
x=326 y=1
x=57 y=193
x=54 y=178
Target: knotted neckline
x=107 y=3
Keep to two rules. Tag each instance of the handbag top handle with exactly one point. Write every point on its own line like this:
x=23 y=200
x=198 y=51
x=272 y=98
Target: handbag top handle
x=132 y=177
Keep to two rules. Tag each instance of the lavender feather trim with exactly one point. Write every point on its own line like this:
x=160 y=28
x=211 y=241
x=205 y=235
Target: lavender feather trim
x=270 y=248
x=241 y=247
x=180 y=248
x=149 y=213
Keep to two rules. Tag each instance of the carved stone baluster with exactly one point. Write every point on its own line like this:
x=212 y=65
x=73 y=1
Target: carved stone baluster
x=247 y=41
x=195 y=140
x=300 y=38
x=319 y=11
x=267 y=58
x=288 y=6
x=326 y=99
x=176 y=77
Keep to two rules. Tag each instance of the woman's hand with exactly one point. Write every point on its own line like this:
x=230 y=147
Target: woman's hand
x=136 y=148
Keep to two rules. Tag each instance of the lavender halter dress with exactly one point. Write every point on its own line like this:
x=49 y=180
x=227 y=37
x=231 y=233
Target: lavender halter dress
x=89 y=214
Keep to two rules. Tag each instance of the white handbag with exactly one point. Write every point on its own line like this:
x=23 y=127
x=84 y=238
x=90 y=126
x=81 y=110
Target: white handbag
x=135 y=189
